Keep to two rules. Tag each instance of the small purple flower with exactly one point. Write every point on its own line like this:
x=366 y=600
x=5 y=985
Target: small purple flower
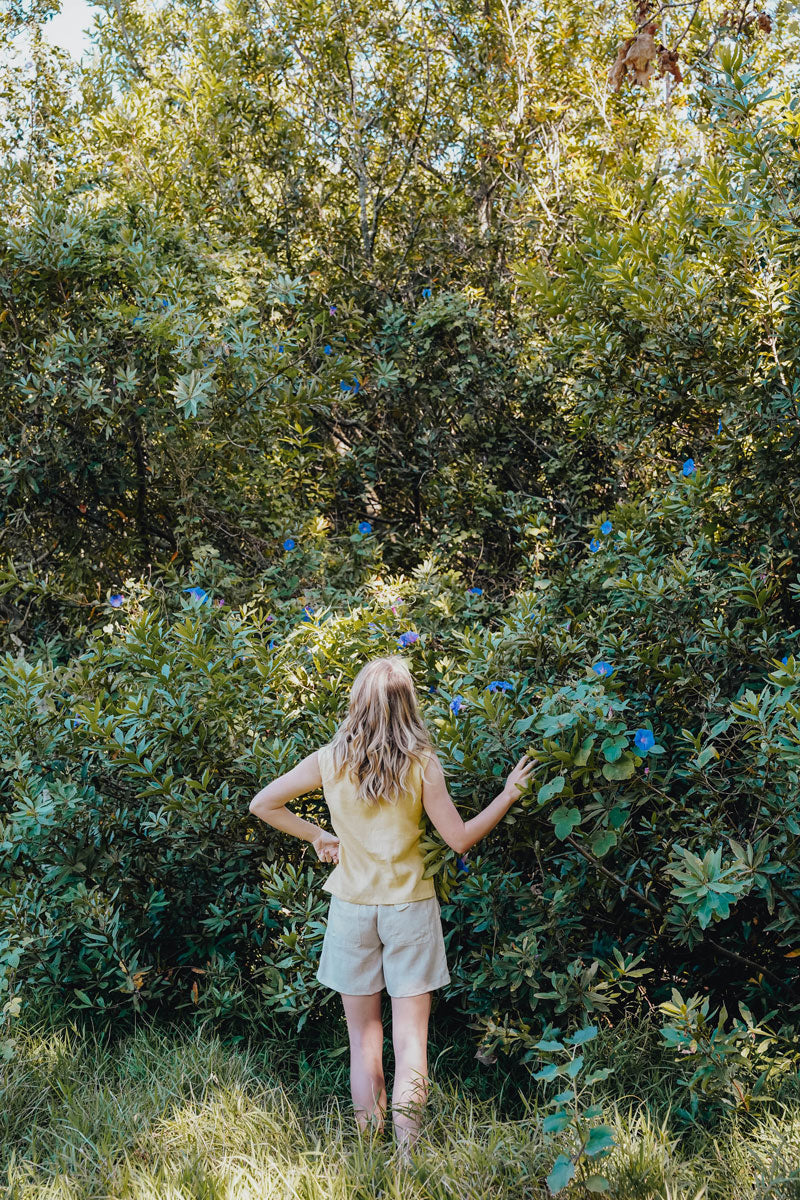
x=116 y=600
x=364 y=527
x=643 y=740
x=196 y=593
x=475 y=591
x=327 y=350
x=647 y=770
x=606 y=527
x=603 y=668
x=220 y=600
x=456 y=704
x=499 y=685
x=689 y=467
x=408 y=638
x=594 y=545
x=332 y=310
x=289 y=544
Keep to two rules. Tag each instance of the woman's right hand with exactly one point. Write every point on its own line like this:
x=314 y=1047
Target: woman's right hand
x=518 y=778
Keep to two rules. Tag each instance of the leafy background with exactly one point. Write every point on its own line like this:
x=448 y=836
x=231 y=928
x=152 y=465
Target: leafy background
x=329 y=332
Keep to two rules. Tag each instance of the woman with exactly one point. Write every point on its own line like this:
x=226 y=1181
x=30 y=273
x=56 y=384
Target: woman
x=384 y=926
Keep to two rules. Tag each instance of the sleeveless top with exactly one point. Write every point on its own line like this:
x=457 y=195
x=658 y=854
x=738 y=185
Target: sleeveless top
x=380 y=861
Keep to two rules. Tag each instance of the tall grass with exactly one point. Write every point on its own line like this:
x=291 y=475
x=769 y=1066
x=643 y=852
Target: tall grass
x=169 y=1114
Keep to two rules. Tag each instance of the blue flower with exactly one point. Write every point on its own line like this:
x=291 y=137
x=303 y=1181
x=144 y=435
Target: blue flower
x=499 y=685
x=353 y=387
x=289 y=544
x=308 y=612
x=603 y=668
x=272 y=643
x=408 y=638
x=643 y=740
x=606 y=527
x=475 y=591
x=332 y=309
x=689 y=467
x=364 y=527
x=165 y=303
x=426 y=293
x=327 y=349
x=719 y=425
x=785 y=659
x=196 y=593
x=463 y=869
x=594 y=545
x=280 y=348
x=456 y=704
x=116 y=600
x=432 y=690
x=136 y=320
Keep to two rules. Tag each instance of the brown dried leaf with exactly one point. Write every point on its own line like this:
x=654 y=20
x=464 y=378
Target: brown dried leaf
x=617 y=72
x=764 y=22
x=668 y=64
x=641 y=55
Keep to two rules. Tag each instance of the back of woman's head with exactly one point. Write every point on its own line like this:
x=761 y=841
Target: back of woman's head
x=383 y=734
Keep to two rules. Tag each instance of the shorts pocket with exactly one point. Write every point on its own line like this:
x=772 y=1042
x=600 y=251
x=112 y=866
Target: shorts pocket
x=346 y=925
x=405 y=924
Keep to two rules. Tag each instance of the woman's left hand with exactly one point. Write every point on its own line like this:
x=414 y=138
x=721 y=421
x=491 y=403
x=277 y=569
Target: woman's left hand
x=327 y=846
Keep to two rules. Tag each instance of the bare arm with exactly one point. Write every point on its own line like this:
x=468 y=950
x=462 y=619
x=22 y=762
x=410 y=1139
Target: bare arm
x=459 y=834
x=270 y=805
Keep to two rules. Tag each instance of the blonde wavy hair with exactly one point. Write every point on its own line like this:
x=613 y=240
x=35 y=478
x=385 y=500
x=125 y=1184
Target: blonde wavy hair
x=383 y=734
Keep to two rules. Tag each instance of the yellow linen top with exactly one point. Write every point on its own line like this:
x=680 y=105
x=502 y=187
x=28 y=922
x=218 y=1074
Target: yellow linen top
x=380 y=861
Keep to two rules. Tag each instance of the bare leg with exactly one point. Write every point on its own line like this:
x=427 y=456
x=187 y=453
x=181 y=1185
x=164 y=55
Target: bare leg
x=410 y=1037
x=367 y=1084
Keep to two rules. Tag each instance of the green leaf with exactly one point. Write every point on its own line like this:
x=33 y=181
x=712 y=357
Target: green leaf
x=546 y=1045
x=601 y=1138
x=548 y=790
x=587 y=1034
x=551 y=1071
x=574 y=1066
x=562 y=1172
x=556 y=1122
x=582 y=755
x=596 y=1183
x=602 y=842
x=565 y=820
x=622 y=769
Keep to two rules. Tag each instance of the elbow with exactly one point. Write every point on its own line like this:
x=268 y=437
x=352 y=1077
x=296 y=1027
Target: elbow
x=461 y=844
x=256 y=806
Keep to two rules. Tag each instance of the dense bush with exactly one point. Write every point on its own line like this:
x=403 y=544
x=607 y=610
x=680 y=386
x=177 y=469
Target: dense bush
x=657 y=847
x=528 y=388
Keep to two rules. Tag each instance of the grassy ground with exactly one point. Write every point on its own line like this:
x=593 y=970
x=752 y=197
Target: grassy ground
x=173 y=1114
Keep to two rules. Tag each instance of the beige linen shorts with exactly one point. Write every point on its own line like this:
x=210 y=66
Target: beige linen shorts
x=371 y=946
